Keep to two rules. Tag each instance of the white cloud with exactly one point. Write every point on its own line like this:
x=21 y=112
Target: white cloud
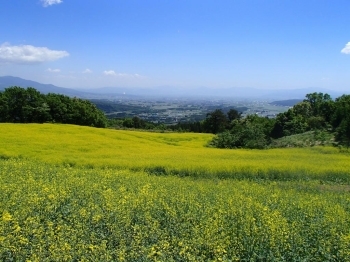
x=87 y=71
x=53 y=70
x=28 y=54
x=346 y=49
x=47 y=3
x=121 y=75
x=109 y=73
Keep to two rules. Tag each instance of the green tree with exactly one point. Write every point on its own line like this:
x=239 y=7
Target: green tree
x=251 y=132
x=341 y=110
x=19 y=105
x=343 y=132
x=341 y=120
x=23 y=106
x=233 y=114
x=35 y=108
x=321 y=105
x=303 y=109
x=289 y=123
x=16 y=100
x=315 y=112
x=215 y=121
x=86 y=113
x=60 y=108
x=4 y=109
x=128 y=123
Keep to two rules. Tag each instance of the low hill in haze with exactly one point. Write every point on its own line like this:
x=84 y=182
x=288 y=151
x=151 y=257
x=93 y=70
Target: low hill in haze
x=289 y=102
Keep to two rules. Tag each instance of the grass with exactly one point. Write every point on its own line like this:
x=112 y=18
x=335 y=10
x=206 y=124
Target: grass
x=307 y=139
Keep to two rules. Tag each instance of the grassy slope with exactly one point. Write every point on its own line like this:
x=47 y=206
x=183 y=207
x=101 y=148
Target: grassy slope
x=85 y=146
x=63 y=213
x=307 y=139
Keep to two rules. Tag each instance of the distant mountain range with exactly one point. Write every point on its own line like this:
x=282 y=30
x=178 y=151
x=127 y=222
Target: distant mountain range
x=167 y=92
x=7 y=81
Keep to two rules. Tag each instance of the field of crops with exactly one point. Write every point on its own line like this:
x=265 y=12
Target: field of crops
x=183 y=154
x=70 y=193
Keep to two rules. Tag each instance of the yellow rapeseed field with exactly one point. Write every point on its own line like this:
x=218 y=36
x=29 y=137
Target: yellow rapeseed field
x=51 y=213
x=170 y=153
x=70 y=193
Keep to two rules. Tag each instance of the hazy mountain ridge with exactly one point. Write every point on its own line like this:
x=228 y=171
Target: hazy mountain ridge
x=7 y=81
x=289 y=102
x=167 y=91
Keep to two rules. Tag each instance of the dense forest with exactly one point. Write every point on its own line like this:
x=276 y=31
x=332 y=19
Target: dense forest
x=19 y=105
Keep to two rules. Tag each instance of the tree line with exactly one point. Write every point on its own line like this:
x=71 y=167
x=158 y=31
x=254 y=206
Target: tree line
x=216 y=121
x=317 y=112
x=19 y=105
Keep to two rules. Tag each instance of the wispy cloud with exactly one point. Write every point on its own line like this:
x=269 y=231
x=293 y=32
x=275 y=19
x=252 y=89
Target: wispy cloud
x=24 y=54
x=125 y=75
x=53 y=70
x=128 y=75
x=346 y=49
x=109 y=73
x=47 y=3
x=87 y=71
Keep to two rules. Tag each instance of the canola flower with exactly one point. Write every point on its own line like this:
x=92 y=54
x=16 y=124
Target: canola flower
x=70 y=193
x=58 y=213
x=181 y=154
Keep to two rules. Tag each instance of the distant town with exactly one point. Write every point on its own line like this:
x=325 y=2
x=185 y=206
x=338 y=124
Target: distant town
x=172 y=111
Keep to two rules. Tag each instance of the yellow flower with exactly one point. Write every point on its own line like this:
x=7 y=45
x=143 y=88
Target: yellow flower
x=6 y=216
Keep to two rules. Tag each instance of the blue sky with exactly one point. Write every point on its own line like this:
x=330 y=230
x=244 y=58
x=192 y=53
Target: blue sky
x=270 y=44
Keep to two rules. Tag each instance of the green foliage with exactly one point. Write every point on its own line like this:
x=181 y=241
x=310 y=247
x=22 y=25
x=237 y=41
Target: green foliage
x=321 y=105
x=19 y=105
x=315 y=112
x=341 y=120
x=134 y=123
x=307 y=139
x=196 y=127
x=318 y=113
x=215 y=122
x=250 y=132
x=343 y=132
x=233 y=114
x=293 y=121
x=342 y=110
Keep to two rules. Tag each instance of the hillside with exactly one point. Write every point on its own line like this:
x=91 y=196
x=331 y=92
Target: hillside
x=164 y=153
x=73 y=193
